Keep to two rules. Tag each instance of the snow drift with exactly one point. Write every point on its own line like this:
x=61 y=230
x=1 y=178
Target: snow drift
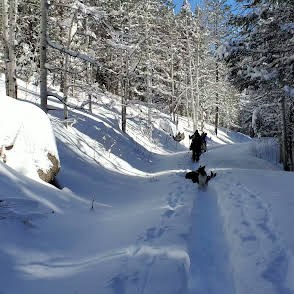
x=27 y=139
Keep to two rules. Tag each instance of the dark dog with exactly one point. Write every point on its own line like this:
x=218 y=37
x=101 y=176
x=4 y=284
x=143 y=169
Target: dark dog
x=200 y=176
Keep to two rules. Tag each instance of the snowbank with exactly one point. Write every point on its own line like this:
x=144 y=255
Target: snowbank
x=28 y=138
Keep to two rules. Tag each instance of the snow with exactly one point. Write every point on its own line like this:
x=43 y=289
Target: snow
x=150 y=230
x=29 y=130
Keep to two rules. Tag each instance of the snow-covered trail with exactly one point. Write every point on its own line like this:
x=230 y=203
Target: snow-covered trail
x=210 y=268
x=207 y=247
x=248 y=194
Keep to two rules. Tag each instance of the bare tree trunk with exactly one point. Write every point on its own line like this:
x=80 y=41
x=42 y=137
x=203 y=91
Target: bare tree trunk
x=202 y=119
x=89 y=78
x=191 y=81
x=124 y=115
x=173 y=88
x=197 y=73
x=65 y=72
x=4 y=36
x=216 y=121
x=216 y=101
x=88 y=69
x=149 y=98
x=192 y=93
x=122 y=91
x=9 y=17
x=187 y=100
x=197 y=85
x=125 y=95
x=284 y=134
x=43 y=55
x=148 y=75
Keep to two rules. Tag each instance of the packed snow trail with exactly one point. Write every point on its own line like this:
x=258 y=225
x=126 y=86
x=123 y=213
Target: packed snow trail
x=248 y=192
x=210 y=267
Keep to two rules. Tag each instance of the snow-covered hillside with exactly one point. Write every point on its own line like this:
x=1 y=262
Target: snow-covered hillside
x=127 y=221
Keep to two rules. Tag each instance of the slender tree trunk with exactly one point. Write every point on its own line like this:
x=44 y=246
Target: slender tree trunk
x=149 y=98
x=89 y=78
x=148 y=74
x=65 y=72
x=4 y=37
x=197 y=99
x=125 y=96
x=216 y=101
x=173 y=88
x=187 y=100
x=88 y=68
x=125 y=81
x=191 y=82
x=9 y=17
x=197 y=84
x=192 y=94
x=121 y=90
x=284 y=134
x=123 y=114
x=202 y=119
x=216 y=121
x=43 y=55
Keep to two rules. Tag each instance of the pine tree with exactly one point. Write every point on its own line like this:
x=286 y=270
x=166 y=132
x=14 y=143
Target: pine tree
x=262 y=65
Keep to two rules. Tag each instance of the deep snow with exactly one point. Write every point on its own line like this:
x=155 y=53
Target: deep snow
x=150 y=229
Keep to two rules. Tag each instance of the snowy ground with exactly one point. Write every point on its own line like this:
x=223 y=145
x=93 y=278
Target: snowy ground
x=150 y=230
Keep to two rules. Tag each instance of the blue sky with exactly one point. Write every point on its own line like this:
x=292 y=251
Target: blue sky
x=179 y=3
x=193 y=3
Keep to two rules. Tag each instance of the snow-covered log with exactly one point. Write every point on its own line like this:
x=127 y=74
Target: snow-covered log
x=28 y=140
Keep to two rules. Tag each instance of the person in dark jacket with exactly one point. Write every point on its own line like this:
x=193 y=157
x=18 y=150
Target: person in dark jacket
x=196 y=146
x=196 y=133
x=203 y=142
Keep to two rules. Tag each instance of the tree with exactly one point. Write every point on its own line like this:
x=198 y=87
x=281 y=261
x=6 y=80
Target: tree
x=216 y=14
x=8 y=28
x=261 y=63
x=43 y=54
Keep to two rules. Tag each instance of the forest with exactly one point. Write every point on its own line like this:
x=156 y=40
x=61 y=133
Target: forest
x=228 y=66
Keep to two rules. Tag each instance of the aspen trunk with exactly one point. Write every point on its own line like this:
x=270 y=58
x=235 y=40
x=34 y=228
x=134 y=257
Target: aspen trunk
x=43 y=55
x=9 y=17
x=216 y=102
x=125 y=96
x=197 y=86
x=149 y=98
x=65 y=73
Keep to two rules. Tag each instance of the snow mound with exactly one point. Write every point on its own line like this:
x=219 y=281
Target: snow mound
x=28 y=138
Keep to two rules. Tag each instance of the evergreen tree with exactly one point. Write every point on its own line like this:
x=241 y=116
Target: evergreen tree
x=261 y=61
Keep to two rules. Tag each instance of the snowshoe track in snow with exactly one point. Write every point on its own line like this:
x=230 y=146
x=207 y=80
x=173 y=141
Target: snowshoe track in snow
x=142 y=270
x=256 y=248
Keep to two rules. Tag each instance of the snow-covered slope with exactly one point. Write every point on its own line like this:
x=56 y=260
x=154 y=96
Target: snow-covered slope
x=127 y=221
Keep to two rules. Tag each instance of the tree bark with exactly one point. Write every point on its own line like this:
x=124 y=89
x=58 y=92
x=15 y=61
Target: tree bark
x=9 y=17
x=43 y=55
x=65 y=72
x=216 y=101
x=283 y=134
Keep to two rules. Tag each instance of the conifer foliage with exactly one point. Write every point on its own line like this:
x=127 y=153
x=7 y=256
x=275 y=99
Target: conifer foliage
x=261 y=64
